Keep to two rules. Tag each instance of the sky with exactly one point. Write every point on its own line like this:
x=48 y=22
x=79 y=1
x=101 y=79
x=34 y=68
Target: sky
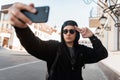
x=62 y=10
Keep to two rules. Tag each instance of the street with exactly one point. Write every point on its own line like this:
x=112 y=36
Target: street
x=17 y=65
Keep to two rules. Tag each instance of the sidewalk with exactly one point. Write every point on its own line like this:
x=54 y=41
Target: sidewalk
x=112 y=63
x=15 y=52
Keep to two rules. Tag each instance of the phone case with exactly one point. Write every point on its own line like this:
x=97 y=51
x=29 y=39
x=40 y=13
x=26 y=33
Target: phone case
x=41 y=16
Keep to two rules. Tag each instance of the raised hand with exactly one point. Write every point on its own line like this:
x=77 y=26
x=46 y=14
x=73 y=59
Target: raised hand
x=16 y=17
x=85 y=32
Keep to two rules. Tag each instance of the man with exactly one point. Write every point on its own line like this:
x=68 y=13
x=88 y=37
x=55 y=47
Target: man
x=64 y=59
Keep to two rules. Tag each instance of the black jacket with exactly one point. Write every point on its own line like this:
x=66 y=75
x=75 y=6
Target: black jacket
x=47 y=51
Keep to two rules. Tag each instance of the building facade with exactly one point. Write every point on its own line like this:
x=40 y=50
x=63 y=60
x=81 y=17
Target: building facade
x=108 y=33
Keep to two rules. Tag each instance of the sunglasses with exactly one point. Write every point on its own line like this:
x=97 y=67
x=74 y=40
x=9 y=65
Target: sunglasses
x=71 y=31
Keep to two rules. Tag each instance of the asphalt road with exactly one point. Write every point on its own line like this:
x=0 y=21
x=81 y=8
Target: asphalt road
x=15 y=65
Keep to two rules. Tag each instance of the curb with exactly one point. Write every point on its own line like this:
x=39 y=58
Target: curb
x=110 y=73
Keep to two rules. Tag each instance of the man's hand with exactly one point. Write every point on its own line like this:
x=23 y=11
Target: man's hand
x=17 y=18
x=85 y=32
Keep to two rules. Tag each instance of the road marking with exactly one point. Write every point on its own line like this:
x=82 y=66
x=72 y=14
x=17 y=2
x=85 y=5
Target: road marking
x=19 y=65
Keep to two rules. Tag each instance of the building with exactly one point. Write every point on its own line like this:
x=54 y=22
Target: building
x=109 y=34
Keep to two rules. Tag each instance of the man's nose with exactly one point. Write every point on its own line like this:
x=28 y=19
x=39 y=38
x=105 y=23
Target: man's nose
x=68 y=33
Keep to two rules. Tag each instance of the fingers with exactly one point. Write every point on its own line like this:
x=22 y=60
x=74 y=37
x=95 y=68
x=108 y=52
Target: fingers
x=16 y=17
x=15 y=22
x=32 y=5
x=22 y=6
x=85 y=32
x=81 y=30
x=21 y=16
x=78 y=29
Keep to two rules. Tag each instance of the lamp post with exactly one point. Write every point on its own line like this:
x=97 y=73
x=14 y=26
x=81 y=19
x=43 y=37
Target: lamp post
x=114 y=11
x=103 y=21
x=112 y=8
x=97 y=31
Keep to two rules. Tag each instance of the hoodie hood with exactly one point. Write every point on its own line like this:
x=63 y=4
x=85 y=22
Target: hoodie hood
x=71 y=23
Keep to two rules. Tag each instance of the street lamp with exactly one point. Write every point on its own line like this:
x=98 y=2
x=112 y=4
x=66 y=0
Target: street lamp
x=111 y=7
x=114 y=11
x=103 y=21
x=97 y=31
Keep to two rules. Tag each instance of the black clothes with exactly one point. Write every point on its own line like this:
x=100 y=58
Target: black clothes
x=72 y=55
x=64 y=68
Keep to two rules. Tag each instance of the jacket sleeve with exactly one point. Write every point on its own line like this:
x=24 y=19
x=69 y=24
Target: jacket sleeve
x=45 y=50
x=95 y=54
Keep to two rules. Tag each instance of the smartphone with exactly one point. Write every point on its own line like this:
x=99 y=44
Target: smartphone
x=41 y=16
